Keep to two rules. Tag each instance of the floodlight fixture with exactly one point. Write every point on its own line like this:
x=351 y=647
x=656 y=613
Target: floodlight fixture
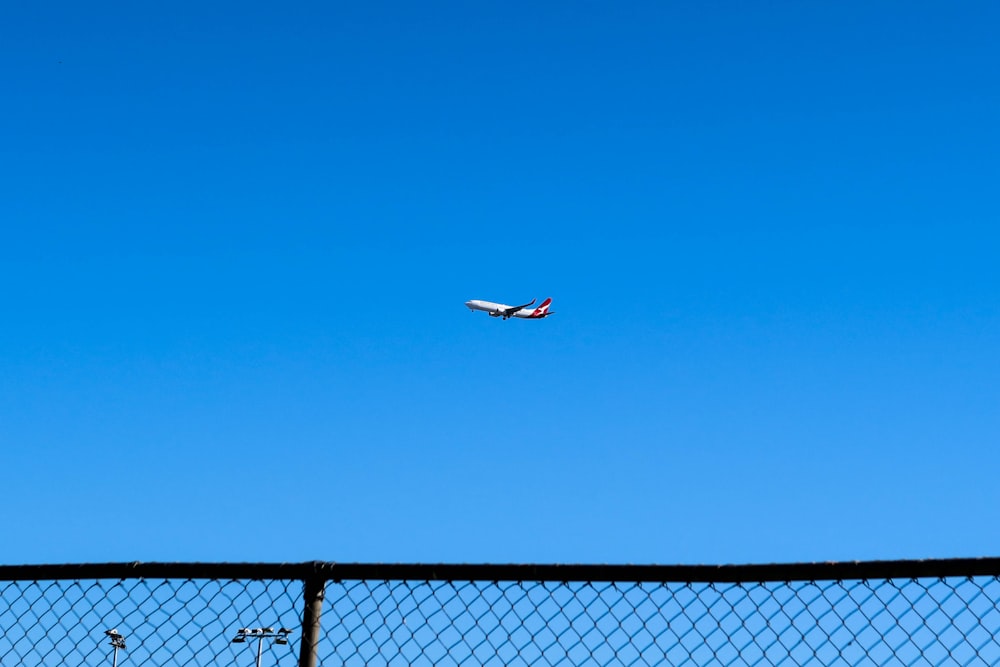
x=117 y=643
x=260 y=634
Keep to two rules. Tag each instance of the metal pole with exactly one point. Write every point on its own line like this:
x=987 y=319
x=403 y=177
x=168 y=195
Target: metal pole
x=315 y=589
x=260 y=643
x=114 y=660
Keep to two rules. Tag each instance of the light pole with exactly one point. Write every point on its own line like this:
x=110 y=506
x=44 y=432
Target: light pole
x=260 y=634
x=118 y=642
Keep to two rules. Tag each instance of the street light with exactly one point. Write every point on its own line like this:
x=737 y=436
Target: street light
x=117 y=641
x=260 y=634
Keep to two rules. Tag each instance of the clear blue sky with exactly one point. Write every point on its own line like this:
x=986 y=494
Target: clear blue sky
x=237 y=238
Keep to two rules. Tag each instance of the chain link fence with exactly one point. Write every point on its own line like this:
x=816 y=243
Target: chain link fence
x=901 y=613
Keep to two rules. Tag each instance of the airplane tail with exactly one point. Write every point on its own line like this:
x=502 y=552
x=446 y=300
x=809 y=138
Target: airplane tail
x=543 y=309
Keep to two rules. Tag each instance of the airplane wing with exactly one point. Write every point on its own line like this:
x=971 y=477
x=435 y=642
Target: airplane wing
x=508 y=312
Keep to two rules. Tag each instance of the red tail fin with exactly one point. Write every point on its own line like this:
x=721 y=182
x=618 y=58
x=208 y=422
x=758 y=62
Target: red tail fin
x=543 y=309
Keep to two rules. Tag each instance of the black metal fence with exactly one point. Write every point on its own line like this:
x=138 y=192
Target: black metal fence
x=941 y=612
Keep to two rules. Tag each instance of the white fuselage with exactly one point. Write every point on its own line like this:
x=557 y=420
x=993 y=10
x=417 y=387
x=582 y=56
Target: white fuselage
x=496 y=309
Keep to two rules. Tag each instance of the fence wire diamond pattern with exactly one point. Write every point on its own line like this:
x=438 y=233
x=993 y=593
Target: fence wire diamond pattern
x=192 y=622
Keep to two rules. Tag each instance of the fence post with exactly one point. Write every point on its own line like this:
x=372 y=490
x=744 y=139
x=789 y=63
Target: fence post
x=315 y=588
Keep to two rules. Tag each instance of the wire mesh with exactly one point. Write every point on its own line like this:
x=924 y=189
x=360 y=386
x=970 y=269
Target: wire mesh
x=908 y=622
x=191 y=621
x=163 y=622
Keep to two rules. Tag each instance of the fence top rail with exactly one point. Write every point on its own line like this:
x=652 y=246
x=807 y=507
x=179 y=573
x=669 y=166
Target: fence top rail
x=332 y=571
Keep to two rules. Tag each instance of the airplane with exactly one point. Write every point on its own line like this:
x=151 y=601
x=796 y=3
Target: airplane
x=524 y=311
